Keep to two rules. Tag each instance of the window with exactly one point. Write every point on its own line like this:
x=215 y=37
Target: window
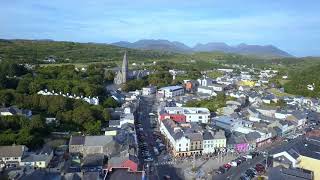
x=179 y=145
x=179 y=149
x=187 y=149
x=187 y=144
x=200 y=117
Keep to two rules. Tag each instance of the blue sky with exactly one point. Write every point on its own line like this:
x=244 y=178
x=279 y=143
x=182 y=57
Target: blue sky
x=292 y=25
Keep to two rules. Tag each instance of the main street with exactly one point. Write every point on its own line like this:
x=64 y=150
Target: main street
x=153 y=171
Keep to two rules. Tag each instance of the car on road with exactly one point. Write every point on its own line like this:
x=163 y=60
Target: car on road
x=244 y=177
x=149 y=159
x=227 y=166
x=260 y=168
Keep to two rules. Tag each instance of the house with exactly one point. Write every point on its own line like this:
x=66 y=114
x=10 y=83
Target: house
x=93 y=163
x=227 y=123
x=191 y=85
x=38 y=159
x=123 y=161
x=11 y=156
x=12 y=111
x=207 y=90
x=276 y=173
x=219 y=140
x=238 y=143
x=149 y=90
x=192 y=114
x=125 y=174
x=205 y=81
x=87 y=145
x=171 y=91
x=217 y=87
x=208 y=145
x=301 y=154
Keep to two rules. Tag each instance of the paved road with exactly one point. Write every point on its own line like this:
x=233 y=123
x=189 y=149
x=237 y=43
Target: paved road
x=147 y=105
x=235 y=172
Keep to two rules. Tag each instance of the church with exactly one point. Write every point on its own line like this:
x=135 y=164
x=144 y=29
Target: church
x=123 y=75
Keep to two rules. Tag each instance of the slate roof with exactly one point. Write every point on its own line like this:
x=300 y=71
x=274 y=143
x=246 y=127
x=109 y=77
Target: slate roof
x=309 y=147
x=278 y=173
x=77 y=140
x=251 y=136
x=124 y=174
x=12 y=151
x=97 y=140
x=92 y=160
x=114 y=122
x=207 y=135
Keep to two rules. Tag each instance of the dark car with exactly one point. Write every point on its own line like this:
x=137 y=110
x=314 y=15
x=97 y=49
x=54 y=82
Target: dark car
x=260 y=168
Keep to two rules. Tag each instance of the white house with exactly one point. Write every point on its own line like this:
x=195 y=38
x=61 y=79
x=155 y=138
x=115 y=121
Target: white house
x=12 y=155
x=193 y=114
x=206 y=90
x=149 y=90
x=171 y=91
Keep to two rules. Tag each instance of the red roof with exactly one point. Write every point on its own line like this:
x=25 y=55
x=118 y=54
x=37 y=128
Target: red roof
x=130 y=164
x=174 y=117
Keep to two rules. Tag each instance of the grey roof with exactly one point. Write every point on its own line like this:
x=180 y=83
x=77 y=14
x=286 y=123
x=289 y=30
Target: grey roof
x=114 y=122
x=252 y=136
x=12 y=151
x=207 y=135
x=195 y=136
x=93 y=160
x=35 y=157
x=40 y=175
x=279 y=173
x=77 y=140
x=309 y=147
x=170 y=125
x=219 y=135
x=97 y=140
x=90 y=175
x=124 y=174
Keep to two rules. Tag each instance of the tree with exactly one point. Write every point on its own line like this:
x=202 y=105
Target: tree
x=23 y=86
x=110 y=103
x=109 y=75
x=82 y=114
x=92 y=127
x=6 y=98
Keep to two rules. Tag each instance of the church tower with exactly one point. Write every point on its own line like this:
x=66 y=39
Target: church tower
x=124 y=68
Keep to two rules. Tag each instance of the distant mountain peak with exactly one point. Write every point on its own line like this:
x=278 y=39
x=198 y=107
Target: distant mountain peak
x=176 y=46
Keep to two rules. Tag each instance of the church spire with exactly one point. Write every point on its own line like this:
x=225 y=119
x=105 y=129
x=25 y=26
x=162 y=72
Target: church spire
x=124 y=68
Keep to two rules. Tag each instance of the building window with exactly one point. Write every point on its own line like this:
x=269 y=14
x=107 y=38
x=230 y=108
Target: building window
x=179 y=149
x=179 y=145
x=200 y=117
x=187 y=144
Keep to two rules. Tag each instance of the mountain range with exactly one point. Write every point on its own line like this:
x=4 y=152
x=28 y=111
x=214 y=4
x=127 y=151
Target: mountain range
x=174 y=46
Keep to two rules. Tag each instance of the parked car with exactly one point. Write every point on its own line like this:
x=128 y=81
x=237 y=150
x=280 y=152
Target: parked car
x=260 y=168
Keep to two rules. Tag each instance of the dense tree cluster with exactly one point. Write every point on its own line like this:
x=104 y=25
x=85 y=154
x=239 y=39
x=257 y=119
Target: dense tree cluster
x=300 y=79
x=21 y=130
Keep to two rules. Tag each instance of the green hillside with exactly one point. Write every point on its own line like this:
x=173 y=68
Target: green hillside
x=31 y=51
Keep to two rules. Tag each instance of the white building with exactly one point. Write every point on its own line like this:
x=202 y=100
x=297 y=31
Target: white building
x=193 y=114
x=171 y=91
x=179 y=143
x=206 y=90
x=149 y=90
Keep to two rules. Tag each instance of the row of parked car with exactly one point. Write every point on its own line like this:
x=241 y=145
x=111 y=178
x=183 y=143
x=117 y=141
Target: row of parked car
x=252 y=172
x=236 y=162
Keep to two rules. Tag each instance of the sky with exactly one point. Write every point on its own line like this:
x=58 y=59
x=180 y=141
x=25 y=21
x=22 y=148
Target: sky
x=291 y=25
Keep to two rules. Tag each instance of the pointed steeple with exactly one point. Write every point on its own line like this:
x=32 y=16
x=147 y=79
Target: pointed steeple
x=124 y=68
